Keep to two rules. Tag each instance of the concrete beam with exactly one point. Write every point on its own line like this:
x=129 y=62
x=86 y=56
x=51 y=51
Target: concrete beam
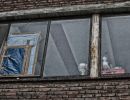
x=67 y=10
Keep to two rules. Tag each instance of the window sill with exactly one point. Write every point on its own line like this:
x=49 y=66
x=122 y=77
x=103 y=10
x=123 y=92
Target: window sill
x=37 y=79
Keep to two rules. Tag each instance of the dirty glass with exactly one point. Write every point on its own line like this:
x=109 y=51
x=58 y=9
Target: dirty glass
x=3 y=32
x=115 y=45
x=32 y=35
x=68 y=46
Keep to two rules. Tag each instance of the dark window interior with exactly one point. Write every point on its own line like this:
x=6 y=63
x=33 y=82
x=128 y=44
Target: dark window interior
x=3 y=32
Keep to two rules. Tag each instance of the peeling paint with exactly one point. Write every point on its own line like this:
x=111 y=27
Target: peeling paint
x=94 y=46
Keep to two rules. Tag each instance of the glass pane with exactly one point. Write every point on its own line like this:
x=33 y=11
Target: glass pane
x=116 y=45
x=34 y=33
x=3 y=32
x=68 y=46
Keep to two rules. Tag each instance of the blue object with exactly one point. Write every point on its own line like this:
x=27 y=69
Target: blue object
x=13 y=62
x=17 y=40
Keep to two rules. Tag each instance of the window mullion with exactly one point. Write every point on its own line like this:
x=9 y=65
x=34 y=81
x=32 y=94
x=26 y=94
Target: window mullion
x=94 y=62
x=45 y=48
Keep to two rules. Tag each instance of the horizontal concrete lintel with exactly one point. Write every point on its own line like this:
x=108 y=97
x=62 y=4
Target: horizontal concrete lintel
x=60 y=11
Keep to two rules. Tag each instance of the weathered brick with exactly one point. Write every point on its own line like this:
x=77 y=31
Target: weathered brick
x=109 y=94
x=65 y=91
x=10 y=5
x=122 y=86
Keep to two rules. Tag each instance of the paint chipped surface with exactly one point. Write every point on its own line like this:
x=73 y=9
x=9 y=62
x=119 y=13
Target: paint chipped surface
x=94 y=46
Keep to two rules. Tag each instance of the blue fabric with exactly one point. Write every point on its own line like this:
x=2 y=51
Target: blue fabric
x=17 y=40
x=13 y=63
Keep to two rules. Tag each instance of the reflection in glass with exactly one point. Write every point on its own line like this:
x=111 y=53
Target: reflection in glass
x=3 y=32
x=116 y=45
x=68 y=46
x=23 y=31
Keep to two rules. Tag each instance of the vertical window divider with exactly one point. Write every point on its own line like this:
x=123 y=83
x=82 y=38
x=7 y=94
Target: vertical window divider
x=8 y=32
x=45 y=48
x=94 y=48
x=100 y=35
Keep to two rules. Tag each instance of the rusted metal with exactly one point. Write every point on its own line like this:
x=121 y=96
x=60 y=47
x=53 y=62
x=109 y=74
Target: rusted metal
x=94 y=46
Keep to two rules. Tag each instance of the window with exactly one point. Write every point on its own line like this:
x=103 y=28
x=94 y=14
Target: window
x=22 y=51
x=68 y=46
x=115 y=45
x=61 y=47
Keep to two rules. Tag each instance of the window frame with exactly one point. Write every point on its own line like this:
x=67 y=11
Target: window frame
x=75 y=77
x=20 y=21
x=125 y=75
x=80 y=10
x=48 y=20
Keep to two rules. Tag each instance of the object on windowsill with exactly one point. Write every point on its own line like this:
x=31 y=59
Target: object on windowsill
x=105 y=63
x=83 y=68
x=115 y=70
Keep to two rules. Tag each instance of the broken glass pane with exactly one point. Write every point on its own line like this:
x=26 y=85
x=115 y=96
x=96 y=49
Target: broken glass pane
x=12 y=61
x=116 y=45
x=68 y=46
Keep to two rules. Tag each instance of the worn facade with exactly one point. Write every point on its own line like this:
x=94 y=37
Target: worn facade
x=12 y=5
x=76 y=87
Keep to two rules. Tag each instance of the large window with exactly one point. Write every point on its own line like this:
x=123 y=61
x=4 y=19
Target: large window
x=22 y=50
x=115 y=45
x=61 y=48
x=68 y=46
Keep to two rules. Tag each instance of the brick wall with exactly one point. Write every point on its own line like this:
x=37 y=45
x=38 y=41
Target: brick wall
x=85 y=90
x=12 y=5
